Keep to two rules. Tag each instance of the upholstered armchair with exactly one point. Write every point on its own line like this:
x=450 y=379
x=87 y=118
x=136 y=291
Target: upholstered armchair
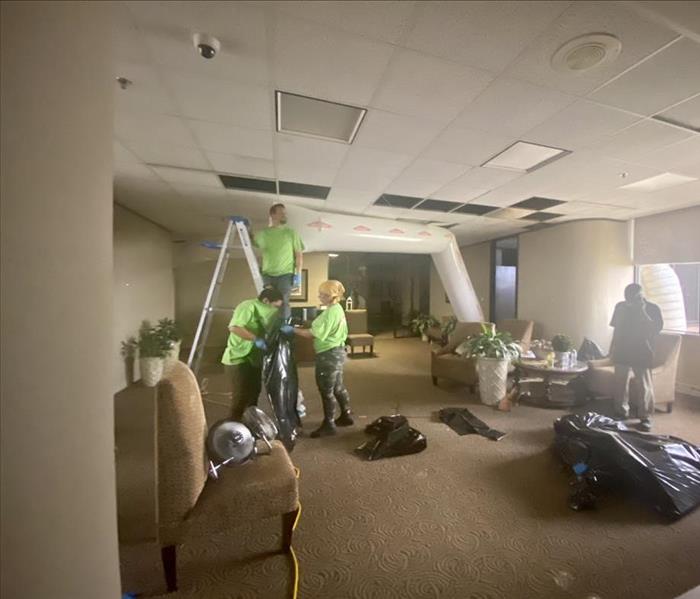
x=520 y=330
x=190 y=503
x=445 y=363
x=601 y=373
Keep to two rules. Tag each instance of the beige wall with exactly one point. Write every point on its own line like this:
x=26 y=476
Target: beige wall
x=59 y=535
x=192 y=278
x=668 y=237
x=143 y=280
x=572 y=275
x=477 y=259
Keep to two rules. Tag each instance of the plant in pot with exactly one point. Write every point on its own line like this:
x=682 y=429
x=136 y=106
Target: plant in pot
x=561 y=345
x=421 y=323
x=169 y=330
x=152 y=350
x=128 y=352
x=493 y=352
x=448 y=327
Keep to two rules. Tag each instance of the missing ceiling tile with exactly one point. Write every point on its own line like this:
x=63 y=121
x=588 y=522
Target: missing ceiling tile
x=249 y=184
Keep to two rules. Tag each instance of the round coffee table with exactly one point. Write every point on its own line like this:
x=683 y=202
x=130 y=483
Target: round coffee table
x=539 y=368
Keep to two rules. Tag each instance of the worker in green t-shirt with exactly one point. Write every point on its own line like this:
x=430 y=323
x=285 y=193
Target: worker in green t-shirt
x=329 y=331
x=282 y=255
x=242 y=358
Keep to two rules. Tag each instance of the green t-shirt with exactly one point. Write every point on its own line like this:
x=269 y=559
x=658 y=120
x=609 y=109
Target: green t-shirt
x=278 y=245
x=330 y=329
x=254 y=315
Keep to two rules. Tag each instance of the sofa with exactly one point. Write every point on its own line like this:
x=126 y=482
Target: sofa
x=600 y=377
x=445 y=363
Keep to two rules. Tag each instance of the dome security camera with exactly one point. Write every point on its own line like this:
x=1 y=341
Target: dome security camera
x=206 y=45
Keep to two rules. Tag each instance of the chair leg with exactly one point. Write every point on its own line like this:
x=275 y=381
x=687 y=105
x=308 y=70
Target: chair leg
x=669 y=407
x=435 y=381
x=169 y=556
x=288 y=520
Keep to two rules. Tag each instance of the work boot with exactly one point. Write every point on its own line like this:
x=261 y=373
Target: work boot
x=327 y=429
x=345 y=419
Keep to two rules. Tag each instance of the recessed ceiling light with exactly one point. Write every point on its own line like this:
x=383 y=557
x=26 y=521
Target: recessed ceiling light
x=321 y=119
x=524 y=157
x=586 y=52
x=658 y=182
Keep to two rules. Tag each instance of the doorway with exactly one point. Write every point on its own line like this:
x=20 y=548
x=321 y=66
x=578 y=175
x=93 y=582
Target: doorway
x=504 y=279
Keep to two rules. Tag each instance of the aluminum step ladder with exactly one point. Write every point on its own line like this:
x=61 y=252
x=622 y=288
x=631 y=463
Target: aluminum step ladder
x=236 y=225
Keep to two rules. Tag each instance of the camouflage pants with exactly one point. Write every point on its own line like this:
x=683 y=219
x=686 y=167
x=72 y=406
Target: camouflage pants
x=329 y=380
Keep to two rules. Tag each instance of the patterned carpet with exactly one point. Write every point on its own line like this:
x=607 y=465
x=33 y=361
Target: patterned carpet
x=467 y=518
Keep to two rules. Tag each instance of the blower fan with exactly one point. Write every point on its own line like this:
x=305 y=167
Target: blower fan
x=231 y=443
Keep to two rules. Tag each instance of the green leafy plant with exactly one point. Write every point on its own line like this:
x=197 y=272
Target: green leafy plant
x=129 y=347
x=449 y=326
x=421 y=323
x=491 y=344
x=169 y=329
x=151 y=342
x=562 y=343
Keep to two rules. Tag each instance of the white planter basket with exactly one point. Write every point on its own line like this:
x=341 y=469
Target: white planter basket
x=151 y=371
x=493 y=375
x=173 y=356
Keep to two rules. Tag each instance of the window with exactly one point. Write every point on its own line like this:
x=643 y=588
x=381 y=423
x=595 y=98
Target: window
x=676 y=289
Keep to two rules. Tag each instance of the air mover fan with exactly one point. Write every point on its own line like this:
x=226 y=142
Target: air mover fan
x=231 y=443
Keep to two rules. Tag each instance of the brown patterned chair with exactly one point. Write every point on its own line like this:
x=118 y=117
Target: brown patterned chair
x=600 y=377
x=188 y=502
x=445 y=363
x=520 y=330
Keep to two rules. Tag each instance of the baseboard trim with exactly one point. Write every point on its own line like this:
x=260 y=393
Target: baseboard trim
x=687 y=389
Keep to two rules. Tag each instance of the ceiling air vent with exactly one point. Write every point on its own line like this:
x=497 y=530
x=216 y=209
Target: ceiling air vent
x=249 y=184
x=321 y=119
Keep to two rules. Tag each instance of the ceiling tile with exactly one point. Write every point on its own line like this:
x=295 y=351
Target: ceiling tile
x=225 y=139
x=132 y=170
x=537 y=203
x=221 y=101
x=121 y=154
x=396 y=133
x=437 y=205
x=484 y=34
x=127 y=42
x=365 y=168
x=144 y=127
x=541 y=216
x=423 y=177
x=383 y=21
x=682 y=16
x=508 y=213
x=639 y=36
x=165 y=13
x=349 y=199
x=682 y=158
x=466 y=146
x=579 y=125
x=166 y=154
x=686 y=114
x=308 y=160
x=475 y=209
x=423 y=86
x=329 y=65
x=187 y=177
x=475 y=183
x=512 y=107
x=667 y=78
x=241 y=165
x=147 y=92
x=639 y=139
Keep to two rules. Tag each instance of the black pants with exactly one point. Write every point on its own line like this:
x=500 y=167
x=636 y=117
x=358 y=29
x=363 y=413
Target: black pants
x=329 y=380
x=246 y=381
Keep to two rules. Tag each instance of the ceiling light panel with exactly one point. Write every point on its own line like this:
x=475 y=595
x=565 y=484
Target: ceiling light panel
x=525 y=157
x=659 y=182
x=321 y=119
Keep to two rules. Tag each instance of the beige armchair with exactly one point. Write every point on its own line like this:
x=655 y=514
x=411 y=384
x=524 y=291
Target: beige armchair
x=191 y=503
x=444 y=363
x=601 y=373
x=520 y=330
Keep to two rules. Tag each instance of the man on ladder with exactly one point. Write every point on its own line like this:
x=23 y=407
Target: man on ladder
x=282 y=255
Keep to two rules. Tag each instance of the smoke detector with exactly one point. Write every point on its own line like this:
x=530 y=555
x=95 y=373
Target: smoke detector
x=586 y=52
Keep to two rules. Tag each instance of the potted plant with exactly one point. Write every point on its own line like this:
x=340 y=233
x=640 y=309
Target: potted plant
x=493 y=352
x=128 y=352
x=448 y=327
x=152 y=350
x=169 y=330
x=421 y=323
x=561 y=345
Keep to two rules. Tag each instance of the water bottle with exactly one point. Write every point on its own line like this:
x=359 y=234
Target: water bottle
x=348 y=304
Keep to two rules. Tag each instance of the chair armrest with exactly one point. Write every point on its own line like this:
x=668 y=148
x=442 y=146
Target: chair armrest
x=602 y=363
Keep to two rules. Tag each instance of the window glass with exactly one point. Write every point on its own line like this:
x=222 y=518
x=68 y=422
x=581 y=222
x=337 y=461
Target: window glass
x=676 y=289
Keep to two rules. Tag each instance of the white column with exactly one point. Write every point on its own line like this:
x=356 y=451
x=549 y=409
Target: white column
x=458 y=286
x=58 y=535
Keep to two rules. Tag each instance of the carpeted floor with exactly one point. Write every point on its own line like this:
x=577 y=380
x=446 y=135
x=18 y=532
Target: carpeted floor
x=467 y=518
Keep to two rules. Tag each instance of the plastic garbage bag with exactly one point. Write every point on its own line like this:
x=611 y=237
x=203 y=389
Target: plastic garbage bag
x=392 y=436
x=589 y=350
x=662 y=471
x=281 y=382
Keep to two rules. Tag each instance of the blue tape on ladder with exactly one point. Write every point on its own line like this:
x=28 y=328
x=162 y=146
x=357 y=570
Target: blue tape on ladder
x=240 y=219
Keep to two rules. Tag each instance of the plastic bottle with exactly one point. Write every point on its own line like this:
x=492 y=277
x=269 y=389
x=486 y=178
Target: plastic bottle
x=348 y=304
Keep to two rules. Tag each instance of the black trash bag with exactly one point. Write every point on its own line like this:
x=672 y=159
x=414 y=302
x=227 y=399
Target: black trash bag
x=279 y=373
x=662 y=471
x=463 y=422
x=589 y=350
x=392 y=437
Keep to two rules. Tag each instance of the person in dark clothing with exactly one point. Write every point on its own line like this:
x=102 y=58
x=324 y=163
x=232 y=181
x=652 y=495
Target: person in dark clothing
x=637 y=322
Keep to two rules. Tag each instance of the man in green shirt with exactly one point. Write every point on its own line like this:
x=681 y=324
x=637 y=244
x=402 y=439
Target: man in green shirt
x=282 y=255
x=329 y=331
x=242 y=358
